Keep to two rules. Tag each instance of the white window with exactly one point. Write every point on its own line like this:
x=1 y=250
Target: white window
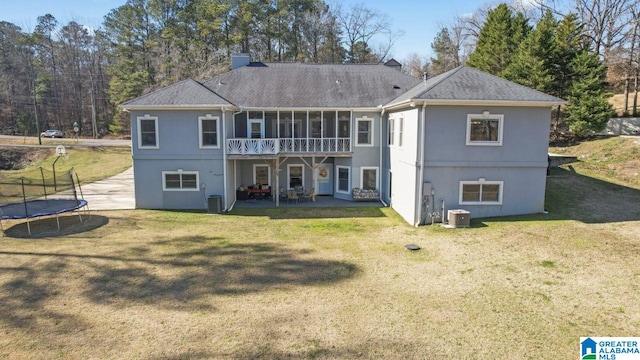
x=391 y=131
x=484 y=129
x=208 y=127
x=295 y=174
x=343 y=180
x=400 y=130
x=481 y=192
x=369 y=178
x=261 y=174
x=365 y=131
x=148 y=132
x=180 y=180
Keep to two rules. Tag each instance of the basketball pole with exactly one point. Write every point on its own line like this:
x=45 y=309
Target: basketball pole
x=60 y=150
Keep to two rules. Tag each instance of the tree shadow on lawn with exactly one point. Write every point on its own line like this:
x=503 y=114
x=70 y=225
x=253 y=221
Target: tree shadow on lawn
x=210 y=267
x=572 y=196
x=179 y=272
x=23 y=298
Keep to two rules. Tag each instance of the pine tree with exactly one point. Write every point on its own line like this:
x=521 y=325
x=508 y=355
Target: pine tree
x=533 y=62
x=446 y=53
x=498 y=40
x=133 y=39
x=588 y=108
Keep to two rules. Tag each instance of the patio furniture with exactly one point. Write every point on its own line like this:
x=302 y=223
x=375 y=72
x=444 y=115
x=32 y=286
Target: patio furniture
x=292 y=195
x=242 y=195
x=283 y=194
x=310 y=195
x=259 y=192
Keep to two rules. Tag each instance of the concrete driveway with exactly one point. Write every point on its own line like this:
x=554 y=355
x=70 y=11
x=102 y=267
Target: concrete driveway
x=114 y=193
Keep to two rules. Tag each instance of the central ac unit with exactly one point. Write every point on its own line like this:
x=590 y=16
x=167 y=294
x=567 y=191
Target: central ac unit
x=459 y=218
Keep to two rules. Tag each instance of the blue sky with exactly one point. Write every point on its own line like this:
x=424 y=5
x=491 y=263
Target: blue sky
x=419 y=19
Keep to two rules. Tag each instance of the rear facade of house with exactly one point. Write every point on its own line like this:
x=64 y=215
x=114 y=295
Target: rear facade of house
x=418 y=145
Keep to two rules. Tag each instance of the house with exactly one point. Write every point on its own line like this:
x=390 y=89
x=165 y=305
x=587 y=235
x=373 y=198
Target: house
x=461 y=140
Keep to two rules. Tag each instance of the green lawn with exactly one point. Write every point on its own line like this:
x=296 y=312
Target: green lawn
x=325 y=283
x=90 y=163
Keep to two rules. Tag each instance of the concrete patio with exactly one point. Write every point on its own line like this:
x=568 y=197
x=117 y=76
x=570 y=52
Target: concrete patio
x=321 y=201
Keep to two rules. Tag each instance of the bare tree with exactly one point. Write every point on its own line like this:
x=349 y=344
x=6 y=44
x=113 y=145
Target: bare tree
x=415 y=66
x=359 y=26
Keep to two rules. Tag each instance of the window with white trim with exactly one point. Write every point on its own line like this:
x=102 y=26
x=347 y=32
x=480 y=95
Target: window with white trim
x=180 y=180
x=295 y=174
x=208 y=127
x=391 y=131
x=481 y=192
x=485 y=129
x=369 y=178
x=148 y=132
x=343 y=180
x=364 y=137
x=261 y=174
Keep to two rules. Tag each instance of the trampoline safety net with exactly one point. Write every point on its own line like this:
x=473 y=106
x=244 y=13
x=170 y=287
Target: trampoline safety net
x=39 y=192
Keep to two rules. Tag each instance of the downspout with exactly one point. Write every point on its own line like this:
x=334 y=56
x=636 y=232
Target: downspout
x=421 y=176
x=382 y=145
x=224 y=158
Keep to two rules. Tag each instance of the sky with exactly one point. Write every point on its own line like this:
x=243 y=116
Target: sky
x=420 y=20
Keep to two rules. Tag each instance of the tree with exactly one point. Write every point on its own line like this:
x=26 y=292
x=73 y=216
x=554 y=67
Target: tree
x=446 y=51
x=588 y=108
x=415 y=66
x=359 y=26
x=498 y=40
x=534 y=61
x=133 y=39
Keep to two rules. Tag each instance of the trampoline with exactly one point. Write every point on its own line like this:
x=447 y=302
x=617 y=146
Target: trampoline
x=41 y=196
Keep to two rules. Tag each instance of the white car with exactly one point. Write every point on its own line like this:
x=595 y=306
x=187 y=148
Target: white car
x=52 y=134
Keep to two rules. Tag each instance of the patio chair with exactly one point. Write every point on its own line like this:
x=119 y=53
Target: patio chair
x=283 y=194
x=292 y=196
x=309 y=195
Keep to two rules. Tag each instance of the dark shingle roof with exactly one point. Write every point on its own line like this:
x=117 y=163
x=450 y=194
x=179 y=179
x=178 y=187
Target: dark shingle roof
x=468 y=84
x=182 y=94
x=311 y=85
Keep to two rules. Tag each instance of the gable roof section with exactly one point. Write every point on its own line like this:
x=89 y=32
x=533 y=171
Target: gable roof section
x=184 y=94
x=467 y=85
x=295 y=85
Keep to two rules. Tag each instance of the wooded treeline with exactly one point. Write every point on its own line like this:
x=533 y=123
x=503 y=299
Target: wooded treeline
x=57 y=74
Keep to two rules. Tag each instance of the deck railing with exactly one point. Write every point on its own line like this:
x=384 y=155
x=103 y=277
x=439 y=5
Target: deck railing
x=288 y=145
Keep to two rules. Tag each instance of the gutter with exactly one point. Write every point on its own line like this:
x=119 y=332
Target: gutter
x=505 y=103
x=421 y=176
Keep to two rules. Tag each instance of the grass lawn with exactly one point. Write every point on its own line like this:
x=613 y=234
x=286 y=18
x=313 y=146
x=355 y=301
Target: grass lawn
x=326 y=283
x=90 y=163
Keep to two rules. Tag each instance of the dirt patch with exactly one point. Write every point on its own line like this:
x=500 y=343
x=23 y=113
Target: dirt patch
x=18 y=159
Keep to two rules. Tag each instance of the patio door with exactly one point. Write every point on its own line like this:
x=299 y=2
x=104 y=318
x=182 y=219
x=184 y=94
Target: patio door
x=255 y=129
x=324 y=179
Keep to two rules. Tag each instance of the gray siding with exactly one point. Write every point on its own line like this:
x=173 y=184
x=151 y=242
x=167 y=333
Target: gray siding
x=179 y=148
x=520 y=162
x=148 y=183
x=525 y=137
x=523 y=192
